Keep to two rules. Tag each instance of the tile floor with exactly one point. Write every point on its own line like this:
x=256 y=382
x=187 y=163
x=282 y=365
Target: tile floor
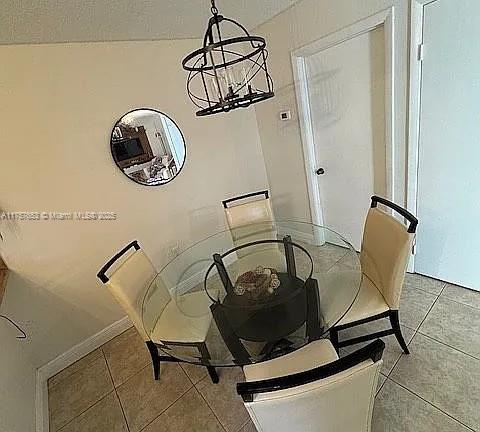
x=435 y=388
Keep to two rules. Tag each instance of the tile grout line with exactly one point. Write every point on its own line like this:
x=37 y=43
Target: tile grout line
x=136 y=373
x=408 y=327
x=84 y=411
x=115 y=390
x=164 y=410
x=210 y=408
x=447 y=345
x=399 y=358
x=449 y=298
x=460 y=303
x=241 y=427
x=73 y=373
x=416 y=331
x=188 y=376
x=338 y=260
x=425 y=291
x=386 y=379
x=430 y=403
x=91 y=406
x=87 y=364
x=428 y=312
x=208 y=405
x=148 y=362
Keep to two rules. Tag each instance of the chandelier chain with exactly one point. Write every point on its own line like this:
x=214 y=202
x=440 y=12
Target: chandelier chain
x=214 y=7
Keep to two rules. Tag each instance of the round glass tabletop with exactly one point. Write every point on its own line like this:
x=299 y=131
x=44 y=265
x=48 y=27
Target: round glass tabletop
x=253 y=293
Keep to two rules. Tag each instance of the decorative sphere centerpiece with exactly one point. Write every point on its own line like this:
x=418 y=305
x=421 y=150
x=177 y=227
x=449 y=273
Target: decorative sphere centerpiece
x=257 y=284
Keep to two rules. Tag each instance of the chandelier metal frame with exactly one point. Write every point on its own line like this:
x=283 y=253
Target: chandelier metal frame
x=226 y=93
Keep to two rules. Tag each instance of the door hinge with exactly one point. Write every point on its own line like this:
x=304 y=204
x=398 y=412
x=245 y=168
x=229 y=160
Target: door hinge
x=414 y=247
x=421 y=52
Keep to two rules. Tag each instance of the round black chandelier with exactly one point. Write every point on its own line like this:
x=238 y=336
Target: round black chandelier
x=226 y=74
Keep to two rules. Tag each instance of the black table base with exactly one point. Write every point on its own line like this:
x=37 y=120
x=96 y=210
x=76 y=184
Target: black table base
x=297 y=305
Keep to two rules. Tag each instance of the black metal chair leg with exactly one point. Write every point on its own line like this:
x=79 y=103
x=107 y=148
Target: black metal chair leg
x=334 y=338
x=213 y=374
x=202 y=347
x=398 y=332
x=155 y=359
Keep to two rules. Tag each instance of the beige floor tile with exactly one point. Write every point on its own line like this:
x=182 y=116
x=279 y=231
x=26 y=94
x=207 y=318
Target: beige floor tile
x=398 y=410
x=445 y=377
x=392 y=351
x=75 y=367
x=462 y=295
x=381 y=380
x=143 y=398
x=325 y=256
x=417 y=281
x=194 y=372
x=126 y=355
x=74 y=395
x=105 y=416
x=223 y=398
x=189 y=413
x=454 y=324
x=249 y=427
x=351 y=261
x=414 y=306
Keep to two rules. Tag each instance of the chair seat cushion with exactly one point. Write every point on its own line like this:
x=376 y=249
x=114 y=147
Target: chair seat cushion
x=369 y=302
x=174 y=325
x=309 y=357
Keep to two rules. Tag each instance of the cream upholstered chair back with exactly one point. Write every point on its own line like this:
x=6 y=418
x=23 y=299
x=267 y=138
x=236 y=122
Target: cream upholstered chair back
x=342 y=401
x=257 y=211
x=386 y=249
x=251 y=212
x=129 y=283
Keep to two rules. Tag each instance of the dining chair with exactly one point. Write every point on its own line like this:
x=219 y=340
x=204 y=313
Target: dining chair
x=386 y=248
x=129 y=283
x=312 y=390
x=254 y=211
x=250 y=218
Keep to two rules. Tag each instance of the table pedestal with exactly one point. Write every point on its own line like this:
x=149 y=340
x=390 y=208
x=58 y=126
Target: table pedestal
x=297 y=304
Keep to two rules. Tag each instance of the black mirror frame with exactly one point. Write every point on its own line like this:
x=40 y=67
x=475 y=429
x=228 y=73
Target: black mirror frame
x=181 y=133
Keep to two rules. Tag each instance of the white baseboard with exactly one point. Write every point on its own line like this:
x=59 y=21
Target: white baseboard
x=66 y=359
x=41 y=402
x=296 y=234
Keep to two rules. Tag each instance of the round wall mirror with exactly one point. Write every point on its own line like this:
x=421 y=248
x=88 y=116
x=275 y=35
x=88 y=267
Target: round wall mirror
x=148 y=147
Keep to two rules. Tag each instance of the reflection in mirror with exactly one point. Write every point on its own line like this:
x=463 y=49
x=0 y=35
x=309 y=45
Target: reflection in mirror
x=148 y=147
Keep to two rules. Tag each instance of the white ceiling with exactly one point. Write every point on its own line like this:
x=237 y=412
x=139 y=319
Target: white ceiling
x=50 y=21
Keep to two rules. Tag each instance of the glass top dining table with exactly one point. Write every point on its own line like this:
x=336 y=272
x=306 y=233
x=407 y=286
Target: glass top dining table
x=253 y=293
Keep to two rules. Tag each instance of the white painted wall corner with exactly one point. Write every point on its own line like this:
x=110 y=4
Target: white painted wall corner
x=66 y=359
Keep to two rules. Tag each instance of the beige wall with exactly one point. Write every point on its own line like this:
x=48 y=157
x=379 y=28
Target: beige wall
x=307 y=21
x=17 y=384
x=59 y=103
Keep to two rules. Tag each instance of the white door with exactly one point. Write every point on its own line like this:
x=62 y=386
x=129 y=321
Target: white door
x=346 y=94
x=448 y=198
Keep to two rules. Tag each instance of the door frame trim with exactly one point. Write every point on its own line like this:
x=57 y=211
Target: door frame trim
x=414 y=106
x=385 y=18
